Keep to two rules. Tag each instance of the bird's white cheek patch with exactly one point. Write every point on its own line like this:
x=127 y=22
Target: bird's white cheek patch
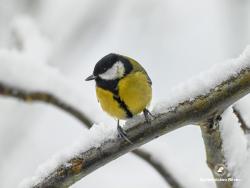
x=121 y=71
x=116 y=71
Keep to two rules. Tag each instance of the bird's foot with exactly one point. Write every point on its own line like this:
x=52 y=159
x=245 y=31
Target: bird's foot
x=148 y=116
x=123 y=134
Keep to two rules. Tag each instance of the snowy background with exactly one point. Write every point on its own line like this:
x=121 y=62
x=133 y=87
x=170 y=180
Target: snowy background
x=173 y=39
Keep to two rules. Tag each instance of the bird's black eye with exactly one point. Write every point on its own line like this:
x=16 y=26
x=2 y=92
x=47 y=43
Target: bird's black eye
x=105 y=63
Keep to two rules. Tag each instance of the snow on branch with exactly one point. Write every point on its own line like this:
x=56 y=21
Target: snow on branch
x=49 y=98
x=203 y=100
x=234 y=145
x=22 y=78
x=24 y=70
x=25 y=75
x=236 y=141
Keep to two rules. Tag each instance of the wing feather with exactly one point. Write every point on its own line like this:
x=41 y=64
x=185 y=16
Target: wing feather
x=138 y=68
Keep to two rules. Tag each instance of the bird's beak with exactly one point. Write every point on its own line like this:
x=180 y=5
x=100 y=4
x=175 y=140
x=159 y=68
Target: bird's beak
x=92 y=77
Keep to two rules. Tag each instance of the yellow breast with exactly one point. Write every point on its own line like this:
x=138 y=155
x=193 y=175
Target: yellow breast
x=109 y=105
x=135 y=92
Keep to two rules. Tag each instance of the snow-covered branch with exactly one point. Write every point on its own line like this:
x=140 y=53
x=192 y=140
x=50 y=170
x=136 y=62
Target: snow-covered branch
x=221 y=87
x=60 y=92
x=234 y=147
x=48 y=98
x=29 y=96
x=215 y=156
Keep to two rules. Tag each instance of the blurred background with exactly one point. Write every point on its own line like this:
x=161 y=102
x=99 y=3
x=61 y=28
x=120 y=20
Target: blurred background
x=173 y=39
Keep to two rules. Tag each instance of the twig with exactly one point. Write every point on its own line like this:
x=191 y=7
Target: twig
x=168 y=177
x=48 y=98
x=43 y=97
x=241 y=120
x=189 y=112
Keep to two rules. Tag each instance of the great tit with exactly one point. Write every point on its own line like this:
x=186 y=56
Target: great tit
x=123 y=88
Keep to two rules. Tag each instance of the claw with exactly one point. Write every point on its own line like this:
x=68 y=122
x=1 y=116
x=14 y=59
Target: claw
x=122 y=133
x=147 y=113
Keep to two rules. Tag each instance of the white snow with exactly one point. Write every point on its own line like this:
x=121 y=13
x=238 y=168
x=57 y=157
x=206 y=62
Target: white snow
x=244 y=174
x=97 y=135
x=204 y=82
x=171 y=49
x=27 y=69
x=31 y=40
x=18 y=71
x=42 y=77
x=199 y=85
x=234 y=143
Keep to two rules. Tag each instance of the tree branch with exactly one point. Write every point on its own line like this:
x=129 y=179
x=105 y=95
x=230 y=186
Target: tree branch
x=44 y=97
x=50 y=99
x=215 y=155
x=241 y=120
x=202 y=108
x=157 y=165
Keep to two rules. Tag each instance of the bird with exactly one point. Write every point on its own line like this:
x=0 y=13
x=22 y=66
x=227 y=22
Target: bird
x=123 y=88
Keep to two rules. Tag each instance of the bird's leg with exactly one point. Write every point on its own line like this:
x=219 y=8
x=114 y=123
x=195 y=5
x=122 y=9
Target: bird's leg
x=147 y=115
x=122 y=133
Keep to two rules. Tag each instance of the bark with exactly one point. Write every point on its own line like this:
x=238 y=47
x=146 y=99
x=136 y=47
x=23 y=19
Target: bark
x=201 y=109
x=28 y=96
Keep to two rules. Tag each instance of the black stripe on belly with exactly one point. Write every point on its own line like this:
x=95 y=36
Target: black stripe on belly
x=123 y=106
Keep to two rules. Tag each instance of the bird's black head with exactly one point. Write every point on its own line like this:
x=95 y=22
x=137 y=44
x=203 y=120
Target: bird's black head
x=111 y=67
x=109 y=70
